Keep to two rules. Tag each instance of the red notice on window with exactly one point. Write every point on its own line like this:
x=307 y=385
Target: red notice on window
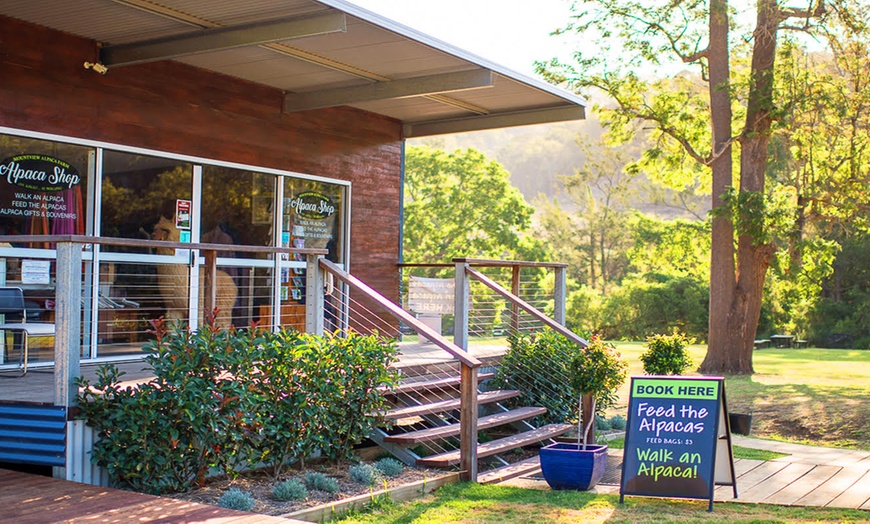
x=182 y=214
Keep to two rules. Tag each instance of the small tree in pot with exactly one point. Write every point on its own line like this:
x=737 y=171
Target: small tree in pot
x=595 y=374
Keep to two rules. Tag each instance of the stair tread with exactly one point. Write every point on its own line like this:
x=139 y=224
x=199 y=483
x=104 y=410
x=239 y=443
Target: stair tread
x=447 y=405
x=425 y=385
x=489 y=421
x=523 y=467
x=498 y=446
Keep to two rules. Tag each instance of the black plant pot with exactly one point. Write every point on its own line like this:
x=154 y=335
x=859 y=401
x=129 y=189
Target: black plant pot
x=740 y=423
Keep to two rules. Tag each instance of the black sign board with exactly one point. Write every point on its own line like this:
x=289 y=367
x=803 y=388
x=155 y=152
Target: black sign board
x=677 y=443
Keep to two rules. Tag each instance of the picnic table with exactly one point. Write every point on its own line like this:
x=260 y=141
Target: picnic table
x=782 y=341
x=762 y=343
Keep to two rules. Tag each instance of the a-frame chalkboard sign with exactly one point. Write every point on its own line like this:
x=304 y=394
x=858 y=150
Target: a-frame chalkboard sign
x=678 y=442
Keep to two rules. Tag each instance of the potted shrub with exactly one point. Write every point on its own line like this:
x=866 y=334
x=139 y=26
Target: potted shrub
x=596 y=373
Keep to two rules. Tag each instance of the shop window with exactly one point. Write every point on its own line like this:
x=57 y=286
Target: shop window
x=140 y=193
x=42 y=192
x=313 y=216
x=238 y=208
x=138 y=190
x=42 y=187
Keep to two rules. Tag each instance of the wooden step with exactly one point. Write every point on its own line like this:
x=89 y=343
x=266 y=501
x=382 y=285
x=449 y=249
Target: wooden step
x=490 y=421
x=528 y=466
x=429 y=385
x=448 y=405
x=501 y=445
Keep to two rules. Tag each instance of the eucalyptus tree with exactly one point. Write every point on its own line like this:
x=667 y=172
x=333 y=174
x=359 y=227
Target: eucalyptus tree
x=715 y=123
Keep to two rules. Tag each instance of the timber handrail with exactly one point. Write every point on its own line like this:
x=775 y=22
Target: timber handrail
x=483 y=262
x=528 y=308
x=135 y=242
x=401 y=314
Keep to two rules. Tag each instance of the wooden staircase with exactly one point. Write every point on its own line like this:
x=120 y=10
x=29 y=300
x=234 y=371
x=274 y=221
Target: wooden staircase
x=424 y=424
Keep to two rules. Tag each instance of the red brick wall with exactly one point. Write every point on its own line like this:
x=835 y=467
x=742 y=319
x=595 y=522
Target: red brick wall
x=173 y=107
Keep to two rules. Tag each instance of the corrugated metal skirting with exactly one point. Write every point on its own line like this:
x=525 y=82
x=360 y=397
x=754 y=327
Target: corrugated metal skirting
x=32 y=434
x=80 y=441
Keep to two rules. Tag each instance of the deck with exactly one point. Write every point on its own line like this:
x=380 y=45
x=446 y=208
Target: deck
x=38 y=384
x=808 y=476
x=26 y=498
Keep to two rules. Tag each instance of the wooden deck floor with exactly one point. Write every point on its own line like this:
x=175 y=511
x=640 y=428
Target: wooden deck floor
x=38 y=384
x=26 y=499
x=808 y=476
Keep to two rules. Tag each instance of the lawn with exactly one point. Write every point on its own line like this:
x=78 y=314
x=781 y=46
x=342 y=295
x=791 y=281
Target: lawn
x=814 y=396
x=811 y=396
x=472 y=503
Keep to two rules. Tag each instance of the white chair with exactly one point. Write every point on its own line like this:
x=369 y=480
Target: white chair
x=12 y=305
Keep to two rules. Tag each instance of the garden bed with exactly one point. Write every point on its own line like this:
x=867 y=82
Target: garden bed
x=260 y=484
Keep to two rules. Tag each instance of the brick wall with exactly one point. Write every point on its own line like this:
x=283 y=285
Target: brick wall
x=177 y=108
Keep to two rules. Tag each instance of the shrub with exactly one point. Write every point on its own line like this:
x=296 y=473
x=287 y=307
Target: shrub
x=537 y=364
x=601 y=423
x=226 y=399
x=666 y=355
x=204 y=414
x=390 y=467
x=292 y=489
x=320 y=482
x=235 y=498
x=653 y=303
x=365 y=474
x=618 y=423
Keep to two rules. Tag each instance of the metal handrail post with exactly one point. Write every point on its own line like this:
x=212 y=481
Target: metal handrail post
x=67 y=322
x=560 y=292
x=314 y=295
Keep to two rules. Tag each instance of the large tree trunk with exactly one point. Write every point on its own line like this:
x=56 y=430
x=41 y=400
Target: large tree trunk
x=721 y=342
x=731 y=344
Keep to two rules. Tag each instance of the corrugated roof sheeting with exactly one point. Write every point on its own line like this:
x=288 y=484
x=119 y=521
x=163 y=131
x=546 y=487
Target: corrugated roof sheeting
x=372 y=49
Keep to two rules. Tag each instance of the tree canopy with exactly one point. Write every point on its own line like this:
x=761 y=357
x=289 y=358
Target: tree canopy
x=717 y=125
x=461 y=204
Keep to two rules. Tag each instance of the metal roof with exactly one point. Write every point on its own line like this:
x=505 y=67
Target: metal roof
x=321 y=53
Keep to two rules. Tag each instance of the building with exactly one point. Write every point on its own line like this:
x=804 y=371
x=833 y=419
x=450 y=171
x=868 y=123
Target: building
x=260 y=123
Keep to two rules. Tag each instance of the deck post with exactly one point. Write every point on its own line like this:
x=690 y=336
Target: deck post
x=468 y=423
x=462 y=294
x=560 y=292
x=67 y=322
x=209 y=282
x=67 y=328
x=468 y=377
x=515 y=309
x=313 y=295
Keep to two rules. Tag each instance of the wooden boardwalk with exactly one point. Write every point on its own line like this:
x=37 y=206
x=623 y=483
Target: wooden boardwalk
x=26 y=499
x=808 y=476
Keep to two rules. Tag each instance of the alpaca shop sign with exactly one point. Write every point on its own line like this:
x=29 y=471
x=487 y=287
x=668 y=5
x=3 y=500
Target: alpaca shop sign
x=312 y=205
x=39 y=173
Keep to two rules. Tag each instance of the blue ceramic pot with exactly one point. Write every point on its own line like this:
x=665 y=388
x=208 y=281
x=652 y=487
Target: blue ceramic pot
x=568 y=466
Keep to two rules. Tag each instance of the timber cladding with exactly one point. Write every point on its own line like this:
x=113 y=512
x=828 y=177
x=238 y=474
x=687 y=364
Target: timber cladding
x=174 y=107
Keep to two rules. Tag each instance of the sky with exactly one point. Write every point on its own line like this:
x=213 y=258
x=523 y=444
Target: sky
x=511 y=33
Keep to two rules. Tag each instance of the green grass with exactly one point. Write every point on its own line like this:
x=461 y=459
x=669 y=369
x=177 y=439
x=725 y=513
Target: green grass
x=472 y=503
x=812 y=396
